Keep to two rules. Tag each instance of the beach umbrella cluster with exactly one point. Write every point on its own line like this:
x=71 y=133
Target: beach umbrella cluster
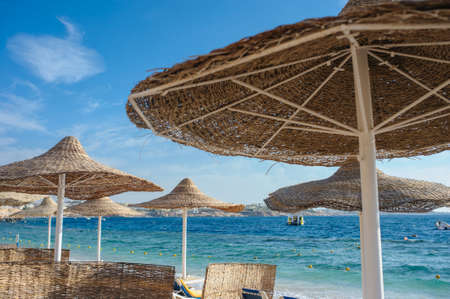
x=185 y=196
x=16 y=199
x=47 y=208
x=102 y=207
x=318 y=92
x=68 y=171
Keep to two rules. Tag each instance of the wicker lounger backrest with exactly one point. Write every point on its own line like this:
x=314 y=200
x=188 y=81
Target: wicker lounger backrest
x=30 y=254
x=227 y=280
x=85 y=280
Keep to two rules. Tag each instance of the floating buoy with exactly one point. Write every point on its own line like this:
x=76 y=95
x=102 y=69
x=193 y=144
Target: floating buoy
x=347 y=269
x=145 y=252
x=78 y=246
x=310 y=266
x=68 y=245
x=160 y=253
x=299 y=254
x=29 y=241
x=209 y=256
x=114 y=249
x=89 y=246
x=438 y=276
x=174 y=254
x=42 y=245
x=405 y=238
x=132 y=251
x=331 y=251
x=255 y=257
x=313 y=250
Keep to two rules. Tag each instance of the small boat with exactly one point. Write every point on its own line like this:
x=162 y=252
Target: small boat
x=441 y=225
x=295 y=220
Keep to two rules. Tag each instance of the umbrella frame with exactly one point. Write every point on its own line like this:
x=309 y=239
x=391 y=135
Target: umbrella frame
x=371 y=258
x=59 y=216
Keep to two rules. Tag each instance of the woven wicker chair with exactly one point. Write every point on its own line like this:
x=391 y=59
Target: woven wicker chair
x=227 y=280
x=85 y=280
x=13 y=254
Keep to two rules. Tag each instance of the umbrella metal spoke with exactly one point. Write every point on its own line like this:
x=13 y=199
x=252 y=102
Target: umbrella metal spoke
x=413 y=104
x=251 y=96
x=405 y=122
x=287 y=102
x=394 y=53
x=385 y=62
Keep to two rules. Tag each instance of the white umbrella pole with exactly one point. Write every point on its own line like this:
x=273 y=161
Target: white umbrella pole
x=59 y=217
x=99 y=238
x=361 y=242
x=49 y=235
x=373 y=269
x=185 y=213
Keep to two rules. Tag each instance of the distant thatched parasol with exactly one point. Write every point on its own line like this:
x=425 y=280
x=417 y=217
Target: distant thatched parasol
x=16 y=199
x=102 y=207
x=67 y=170
x=5 y=212
x=186 y=195
x=47 y=208
x=371 y=82
x=342 y=191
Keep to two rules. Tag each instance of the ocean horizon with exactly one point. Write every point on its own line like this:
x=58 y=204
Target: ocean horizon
x=318 y=260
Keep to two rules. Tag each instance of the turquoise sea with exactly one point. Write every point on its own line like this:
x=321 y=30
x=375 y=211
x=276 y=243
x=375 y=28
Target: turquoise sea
x=329 y=244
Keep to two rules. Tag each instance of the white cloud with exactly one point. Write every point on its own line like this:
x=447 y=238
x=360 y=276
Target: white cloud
x=56 y=59
x=91 y=106
x=20 y=113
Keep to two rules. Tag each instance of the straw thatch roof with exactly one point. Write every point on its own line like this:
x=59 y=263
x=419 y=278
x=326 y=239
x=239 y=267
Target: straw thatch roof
x=85 y=178
x=187 y=195
x=342 y=191
x=288 y=94
x=47 y=208
x=5 y=212
x=102 y=207
x=16 y=199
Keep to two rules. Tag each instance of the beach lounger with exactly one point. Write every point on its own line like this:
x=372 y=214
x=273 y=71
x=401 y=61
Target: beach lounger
x=182 y=290
x=227 y=280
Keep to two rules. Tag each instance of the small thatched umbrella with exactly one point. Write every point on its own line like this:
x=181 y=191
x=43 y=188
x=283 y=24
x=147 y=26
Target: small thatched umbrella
x=102 y=207
x=342 y=191
x=16 y=199
x=67 y=170
x=371 y=82
x=47 y=208
x=185 y=196
x=5 y=212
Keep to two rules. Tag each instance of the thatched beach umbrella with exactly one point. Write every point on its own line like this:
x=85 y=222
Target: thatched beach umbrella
x=16 y=199
x=102 y=207
x=47 y=208
x=68 y=171
x=371 y=82
x=185 y=196
x=342 y=191
x=5 y=212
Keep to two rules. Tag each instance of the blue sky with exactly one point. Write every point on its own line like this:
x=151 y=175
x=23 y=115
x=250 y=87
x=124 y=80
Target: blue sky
x=67 y=68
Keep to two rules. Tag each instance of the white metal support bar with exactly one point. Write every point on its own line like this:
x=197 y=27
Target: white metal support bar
x=59 y=217
x=406 y=122
x=415 y=122
x=184 y=243
x=373 y=276
x=99 y=239
x=49 y=233
x=362 y=243
x=394 y=53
